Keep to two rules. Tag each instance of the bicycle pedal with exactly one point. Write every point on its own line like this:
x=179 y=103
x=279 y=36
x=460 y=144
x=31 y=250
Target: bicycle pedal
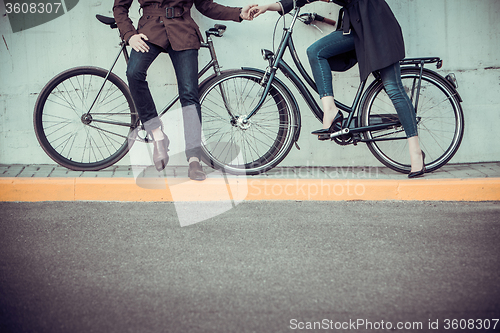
x=324 y=137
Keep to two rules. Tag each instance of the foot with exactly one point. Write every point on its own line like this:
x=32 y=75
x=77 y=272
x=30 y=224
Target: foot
x=330 y=111
x=323 y=131
x=160 y=153
x=327 y=129
x=195 y=171
x=417 y=161
x=419 y=172
x=327 y=126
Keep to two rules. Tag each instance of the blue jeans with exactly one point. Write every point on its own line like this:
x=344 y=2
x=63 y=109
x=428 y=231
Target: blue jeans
x=337 y=43
x=186 y=70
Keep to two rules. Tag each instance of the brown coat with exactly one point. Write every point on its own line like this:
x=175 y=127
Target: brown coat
x=181 y=31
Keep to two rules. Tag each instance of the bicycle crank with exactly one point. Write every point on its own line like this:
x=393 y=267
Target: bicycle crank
x=332 y=136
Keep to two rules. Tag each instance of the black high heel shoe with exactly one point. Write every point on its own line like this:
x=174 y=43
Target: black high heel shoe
x=324 y=133
x=325 y=130
x=421 y=172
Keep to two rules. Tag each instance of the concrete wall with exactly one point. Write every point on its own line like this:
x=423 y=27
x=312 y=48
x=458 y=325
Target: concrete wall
x=466 y=34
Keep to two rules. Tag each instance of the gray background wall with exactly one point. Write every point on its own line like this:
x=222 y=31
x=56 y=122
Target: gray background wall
x=464 y=33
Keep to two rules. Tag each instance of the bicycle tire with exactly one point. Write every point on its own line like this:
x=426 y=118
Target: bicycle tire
x=253 y=148
x=76 y=141
x=440 y=121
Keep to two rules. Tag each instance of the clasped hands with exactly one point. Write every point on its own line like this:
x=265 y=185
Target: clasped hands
x=256 y=10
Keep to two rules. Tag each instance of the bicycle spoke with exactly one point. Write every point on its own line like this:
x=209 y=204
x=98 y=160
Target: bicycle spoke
x=439 y=124
x=66 y=97
x=75 y=137
x=258 y=141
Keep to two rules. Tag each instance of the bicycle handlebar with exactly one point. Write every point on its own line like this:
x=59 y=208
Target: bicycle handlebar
x=308 y=18
x=324 y=19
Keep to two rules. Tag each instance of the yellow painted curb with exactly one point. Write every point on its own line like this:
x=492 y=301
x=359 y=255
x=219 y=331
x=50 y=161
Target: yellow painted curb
x=119 y=189
x=219 y=189
x=451 y=190
x=481 y=189
x=37 y=189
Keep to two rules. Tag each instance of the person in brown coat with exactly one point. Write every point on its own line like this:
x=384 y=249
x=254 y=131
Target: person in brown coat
x=167 y=26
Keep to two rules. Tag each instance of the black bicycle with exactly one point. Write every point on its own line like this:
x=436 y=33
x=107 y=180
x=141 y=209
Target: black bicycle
x=251 y=118
x=85 y=116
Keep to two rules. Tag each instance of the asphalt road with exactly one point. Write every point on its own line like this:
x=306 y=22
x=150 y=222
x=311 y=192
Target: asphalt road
x=260 y=267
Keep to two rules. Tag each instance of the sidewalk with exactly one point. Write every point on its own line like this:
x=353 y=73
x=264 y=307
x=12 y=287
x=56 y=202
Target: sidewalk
x=453 y=182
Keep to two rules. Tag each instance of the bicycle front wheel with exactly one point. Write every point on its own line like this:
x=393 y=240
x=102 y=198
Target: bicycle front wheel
x=239 y=146
x=440 y=121
x=82 y=120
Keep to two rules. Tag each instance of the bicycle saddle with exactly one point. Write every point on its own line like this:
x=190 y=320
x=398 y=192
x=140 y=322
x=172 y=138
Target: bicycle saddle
x=217 y=31
x=107 y=20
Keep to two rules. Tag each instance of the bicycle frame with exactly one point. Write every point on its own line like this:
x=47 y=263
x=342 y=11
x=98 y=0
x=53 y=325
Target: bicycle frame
x=74 y=141
x=277 y=63
x=123 y=50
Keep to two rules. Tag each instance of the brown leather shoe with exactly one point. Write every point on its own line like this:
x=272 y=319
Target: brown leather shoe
x=160 y=153
x=196 y=172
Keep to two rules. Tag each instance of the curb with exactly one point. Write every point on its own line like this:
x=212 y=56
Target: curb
x=242 y=189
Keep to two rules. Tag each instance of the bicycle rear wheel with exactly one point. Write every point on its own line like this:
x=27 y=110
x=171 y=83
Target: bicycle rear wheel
x=439 y=116
x=240 y=147
x=76 y=138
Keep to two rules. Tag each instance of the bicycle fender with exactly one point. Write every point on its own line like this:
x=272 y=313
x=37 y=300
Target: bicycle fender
x=294 y=101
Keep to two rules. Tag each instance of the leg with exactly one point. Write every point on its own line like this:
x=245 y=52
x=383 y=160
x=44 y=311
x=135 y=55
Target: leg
x=330 y=110
x=391 y=77
x=186 y=70
x=318 y=53
x=136 y=74
x=417 y=162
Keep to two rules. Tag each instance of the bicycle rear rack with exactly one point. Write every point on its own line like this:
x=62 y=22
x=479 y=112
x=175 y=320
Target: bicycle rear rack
x=422 y=61
x=419 y=63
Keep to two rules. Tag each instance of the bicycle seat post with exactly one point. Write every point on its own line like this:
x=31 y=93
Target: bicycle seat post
x=210 y=45
x=213 y=55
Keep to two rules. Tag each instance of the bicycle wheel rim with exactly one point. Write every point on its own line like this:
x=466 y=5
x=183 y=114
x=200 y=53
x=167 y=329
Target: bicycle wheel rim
x=439 y=117
x=74 y=139
x=251 y=148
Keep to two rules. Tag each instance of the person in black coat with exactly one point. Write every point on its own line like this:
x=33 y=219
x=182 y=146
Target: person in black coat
x=371 y=36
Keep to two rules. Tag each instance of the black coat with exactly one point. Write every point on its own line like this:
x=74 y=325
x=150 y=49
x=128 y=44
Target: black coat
x=378 y=37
